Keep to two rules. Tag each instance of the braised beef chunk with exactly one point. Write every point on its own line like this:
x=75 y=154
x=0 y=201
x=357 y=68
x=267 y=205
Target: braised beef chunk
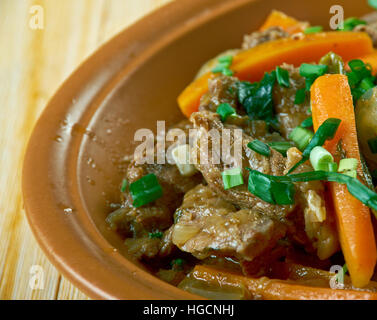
x=139 y=223
x=289 y=114
x=205 y=121
x=208 y=225
x=258 y=37
x=221 y=89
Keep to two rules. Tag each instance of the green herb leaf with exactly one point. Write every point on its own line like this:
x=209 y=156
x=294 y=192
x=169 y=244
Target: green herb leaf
x=307 y=123
x=281 y=146
x=259 y=103
x=225 y=110
x=232 y=178
x=145 y=190
x=300 y=96
x=314 y=29
x=282 y=76
x=259 y=147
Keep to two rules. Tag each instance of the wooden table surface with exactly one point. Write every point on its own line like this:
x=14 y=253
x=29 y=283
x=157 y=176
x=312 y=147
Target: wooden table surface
x=41 y=43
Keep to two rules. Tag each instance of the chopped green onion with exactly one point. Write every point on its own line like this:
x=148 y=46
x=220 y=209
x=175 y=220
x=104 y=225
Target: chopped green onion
x=373 y=3
x=313 y=71
x=156 y=235
x=124 y=186
x=282 y=76
x=228 y=59
x=314 y=29
x=223 y=66
x=307 y=123
x=301 y=137
x=220 y=67
x=227 y=72
x=145 y=190
x=259 y=147
x=232 y=178
x=348 y=164
x=354 y=186
x=350 y=24
x=225 y=110
x=281 y=146
x=320 y=158
x=367 y=83
x=274 y=192
x=351 y=173
x=373 y=145
x=326 y=131
x=300 y=96
x=332 y=167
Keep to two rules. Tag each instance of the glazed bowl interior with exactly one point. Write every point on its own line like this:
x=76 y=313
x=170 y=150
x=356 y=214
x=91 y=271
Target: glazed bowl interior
x=132 y=82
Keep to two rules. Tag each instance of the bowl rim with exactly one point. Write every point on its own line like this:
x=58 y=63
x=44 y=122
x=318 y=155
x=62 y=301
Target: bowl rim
x=64 y=246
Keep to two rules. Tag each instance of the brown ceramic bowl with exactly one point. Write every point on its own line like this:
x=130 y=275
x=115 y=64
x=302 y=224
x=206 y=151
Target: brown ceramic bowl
x=72 y=167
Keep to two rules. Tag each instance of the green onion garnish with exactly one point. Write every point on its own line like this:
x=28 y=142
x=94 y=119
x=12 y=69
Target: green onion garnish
x=145 y=190
x=228 y=59
x=124 y=186
x=227 y=72
x=281 y=146
x=282 y=76
x=354 y=186
x=332 y=167
x=314 y=29
x=351 y=173
x=156 y=235
x=373 y=145
x=301 y=137
x=367 y=83
x=320 y=159
x=326 y=131
x=313 y=71
x=232 y=178
x=300 y=96
x=223 y=66
x=269 y=190
x=225 y=110
x=348 y=164
x=307 y=123
x=373 y=3
x=351 y=23
x=259 y=147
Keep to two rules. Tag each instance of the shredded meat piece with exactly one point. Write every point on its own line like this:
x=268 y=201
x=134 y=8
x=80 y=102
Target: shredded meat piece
x=258 y=37
x=289 y=114
x=208 y=225
x=221 y=89
x=205 y=121
x=318 y=224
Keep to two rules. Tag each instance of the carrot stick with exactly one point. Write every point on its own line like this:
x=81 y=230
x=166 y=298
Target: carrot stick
x=287 y=23
x=270 y=289
x=331 y=98
x=253 y=63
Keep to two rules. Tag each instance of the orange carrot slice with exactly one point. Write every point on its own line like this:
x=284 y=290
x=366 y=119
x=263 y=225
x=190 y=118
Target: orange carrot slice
x=287 y=23
x=331 y=98
x=253 y=63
